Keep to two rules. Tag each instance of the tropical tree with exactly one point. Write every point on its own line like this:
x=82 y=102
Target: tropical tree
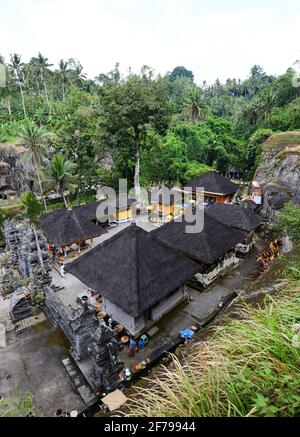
x=131 y=110
x=194 y=108
x=31 y=205
x=43 y=66
x=36 y=139
x=16 y=68
x=181 y=72
x=61 y=175
x=63 y=75
x=76 y=72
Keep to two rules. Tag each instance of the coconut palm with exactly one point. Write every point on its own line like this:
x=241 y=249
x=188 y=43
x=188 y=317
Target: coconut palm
x=63 y=75
x=61 y=175
x=43 y=66
x=77 y=75
x=16 y=68
x=194 y=108
x=34 y=73
x=35 y=139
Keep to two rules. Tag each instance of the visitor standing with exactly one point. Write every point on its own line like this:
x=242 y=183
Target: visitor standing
x=132 y=347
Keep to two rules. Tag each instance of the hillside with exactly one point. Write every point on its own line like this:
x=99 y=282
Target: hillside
x=280 y=161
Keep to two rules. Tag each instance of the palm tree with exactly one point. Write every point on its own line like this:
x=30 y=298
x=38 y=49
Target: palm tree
x=77 y=72
x=61 y=175
x=16 y=67
x=35 y=139
x=194 y=108
x=34 y=71
x=43 y=66
x=266 y=103
x=63 y=75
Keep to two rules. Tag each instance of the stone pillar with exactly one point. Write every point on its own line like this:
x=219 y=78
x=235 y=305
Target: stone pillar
x=104 y=351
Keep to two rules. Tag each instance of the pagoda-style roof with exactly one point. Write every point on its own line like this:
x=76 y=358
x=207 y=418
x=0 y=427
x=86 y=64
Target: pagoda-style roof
x=133 y=270
x=213 y=183
x=66 y=226
x=208 y=246
x=235 y=216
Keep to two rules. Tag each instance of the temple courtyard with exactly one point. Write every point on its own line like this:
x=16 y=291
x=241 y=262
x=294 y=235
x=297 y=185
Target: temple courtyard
x=32 y=359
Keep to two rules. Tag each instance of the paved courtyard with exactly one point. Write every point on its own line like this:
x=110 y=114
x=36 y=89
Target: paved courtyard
x=31 y=363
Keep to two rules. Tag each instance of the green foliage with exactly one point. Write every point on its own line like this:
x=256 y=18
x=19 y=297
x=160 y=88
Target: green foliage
x=61 y=175
x=90 y=117
x=249 y=367
x=19 y=407
x=31 y=206
x=254 y=150
x=195 y=170
x=181 y=72
x=289 y=222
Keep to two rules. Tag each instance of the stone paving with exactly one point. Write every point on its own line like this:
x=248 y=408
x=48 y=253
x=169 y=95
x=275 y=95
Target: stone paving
x=32 y=363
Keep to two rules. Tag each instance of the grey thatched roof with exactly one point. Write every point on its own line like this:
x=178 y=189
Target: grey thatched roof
x=235 y=216
x=65 y=227
x=214 y=182
x=208 y=246
x=133 y=270
x=234 y=170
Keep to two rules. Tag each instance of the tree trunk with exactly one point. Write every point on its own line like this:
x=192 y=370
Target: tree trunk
x=38 y=87
x=8 y=106
x=63 y=92
x=41 y=188
x=46 y=90
x=65 y=200
x=137 y=186
x=23 y=101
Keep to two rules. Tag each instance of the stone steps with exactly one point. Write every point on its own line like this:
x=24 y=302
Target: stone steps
x=80 y=383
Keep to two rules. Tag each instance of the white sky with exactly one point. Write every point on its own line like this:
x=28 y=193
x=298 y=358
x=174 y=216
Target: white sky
x=212 y=38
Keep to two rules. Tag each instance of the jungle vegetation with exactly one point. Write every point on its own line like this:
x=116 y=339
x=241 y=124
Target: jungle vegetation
x=144 y=127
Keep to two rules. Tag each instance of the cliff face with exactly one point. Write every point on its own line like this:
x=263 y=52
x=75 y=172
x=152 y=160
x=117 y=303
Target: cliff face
x=16 y=173
x=280 y=162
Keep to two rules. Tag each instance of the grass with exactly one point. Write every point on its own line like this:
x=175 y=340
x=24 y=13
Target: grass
x=18 y=407
x=249 y=367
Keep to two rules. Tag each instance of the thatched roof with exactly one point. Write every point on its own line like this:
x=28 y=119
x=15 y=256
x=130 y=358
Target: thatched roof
x=234 y=170
x=65 y=227
x=215 y=183
x=208 y=246
x=133 y=270
x=235 y=216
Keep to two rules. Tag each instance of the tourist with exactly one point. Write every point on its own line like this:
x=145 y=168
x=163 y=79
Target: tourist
x=132 y=347
x=141 y=344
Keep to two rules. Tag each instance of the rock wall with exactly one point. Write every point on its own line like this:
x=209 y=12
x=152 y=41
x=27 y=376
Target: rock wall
x=16 y=172
x=280 y=162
